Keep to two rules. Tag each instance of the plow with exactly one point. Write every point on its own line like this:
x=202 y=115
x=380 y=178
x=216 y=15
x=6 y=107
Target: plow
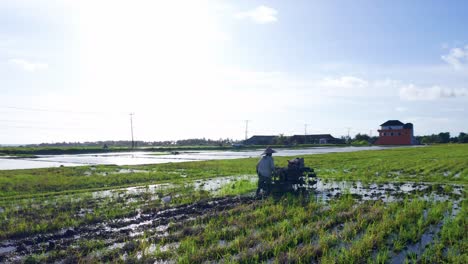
x=294 y=178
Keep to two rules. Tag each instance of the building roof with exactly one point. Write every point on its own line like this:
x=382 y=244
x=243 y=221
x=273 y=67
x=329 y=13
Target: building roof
x=258 y=139
x=392 y=123
x=408 y=126
x=260 y=136
x=316 y=136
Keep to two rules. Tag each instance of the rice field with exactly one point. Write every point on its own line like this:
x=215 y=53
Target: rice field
x=404 y=205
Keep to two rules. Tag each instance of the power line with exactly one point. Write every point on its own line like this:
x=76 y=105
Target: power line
x=58 y=111
x=45 y=128
x=21 y=121
x=64 y=121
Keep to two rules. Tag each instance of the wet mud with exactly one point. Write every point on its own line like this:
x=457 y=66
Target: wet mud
x=387 y=192
x=415 y=250
x=154 y=222
x=116 y=232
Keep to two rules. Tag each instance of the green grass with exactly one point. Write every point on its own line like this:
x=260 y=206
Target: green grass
x=451 y=246
x=238 y=187
x=442 y=163
x=26 y=216
x=291 y=229
x=18 y=151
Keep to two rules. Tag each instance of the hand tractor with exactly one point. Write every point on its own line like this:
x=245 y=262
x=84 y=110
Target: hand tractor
x=294 y=178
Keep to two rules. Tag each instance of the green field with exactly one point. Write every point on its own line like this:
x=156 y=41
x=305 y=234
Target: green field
x=443 y=163
x=219 y=225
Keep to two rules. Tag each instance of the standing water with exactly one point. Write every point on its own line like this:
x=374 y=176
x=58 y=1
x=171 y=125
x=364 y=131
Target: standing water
x=140 y=158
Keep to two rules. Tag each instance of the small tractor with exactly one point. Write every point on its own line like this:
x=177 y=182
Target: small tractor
x=294 y=178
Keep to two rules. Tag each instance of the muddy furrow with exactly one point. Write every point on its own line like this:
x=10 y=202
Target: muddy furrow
x=115 y=230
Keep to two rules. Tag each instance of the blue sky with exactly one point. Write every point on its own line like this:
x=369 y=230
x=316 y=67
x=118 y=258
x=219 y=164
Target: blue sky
x=74 y=70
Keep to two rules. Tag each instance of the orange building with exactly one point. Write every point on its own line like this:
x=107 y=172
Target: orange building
x=394 y=132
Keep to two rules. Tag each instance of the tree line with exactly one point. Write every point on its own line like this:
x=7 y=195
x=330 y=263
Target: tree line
x=140 y=143
x=443 y=137
x=358 y=139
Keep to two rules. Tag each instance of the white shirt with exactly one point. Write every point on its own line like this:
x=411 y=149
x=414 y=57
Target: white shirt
x=265 y=166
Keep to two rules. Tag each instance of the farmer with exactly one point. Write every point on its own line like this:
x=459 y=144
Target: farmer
x=265 y=167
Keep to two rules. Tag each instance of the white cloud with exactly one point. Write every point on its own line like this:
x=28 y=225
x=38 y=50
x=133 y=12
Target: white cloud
x=344 y=82
x=28 y=66
x=351 y=86
x=401 y=109
x=261 y=15
x=412 y=92
x=453 y=109
x=5 y=41
x=457 y=58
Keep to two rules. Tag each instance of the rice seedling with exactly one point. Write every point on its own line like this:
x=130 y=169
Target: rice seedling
x=69 y=203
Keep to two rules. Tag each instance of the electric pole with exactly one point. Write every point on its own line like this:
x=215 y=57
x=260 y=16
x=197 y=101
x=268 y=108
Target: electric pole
x=246 y=128
x=305 y=133
x=348 y=138
x=131 y=128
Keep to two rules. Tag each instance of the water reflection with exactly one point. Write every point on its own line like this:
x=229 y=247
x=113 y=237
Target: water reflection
x=140 y=158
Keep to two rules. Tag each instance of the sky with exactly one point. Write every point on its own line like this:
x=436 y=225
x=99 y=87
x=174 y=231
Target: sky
x=75 y=70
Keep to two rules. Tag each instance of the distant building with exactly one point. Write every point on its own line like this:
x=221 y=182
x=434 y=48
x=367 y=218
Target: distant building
x=260 y=140
x=292 y=140
x=394 y=132
x=315 y=139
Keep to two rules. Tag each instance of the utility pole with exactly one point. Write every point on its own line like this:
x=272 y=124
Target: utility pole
x=348 y=138
x=246 y=128
x=131 y=128
x=305 y=133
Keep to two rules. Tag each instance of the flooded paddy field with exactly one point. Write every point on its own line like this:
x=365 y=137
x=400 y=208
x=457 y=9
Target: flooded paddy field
x=138 y=158
x=361 y=210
